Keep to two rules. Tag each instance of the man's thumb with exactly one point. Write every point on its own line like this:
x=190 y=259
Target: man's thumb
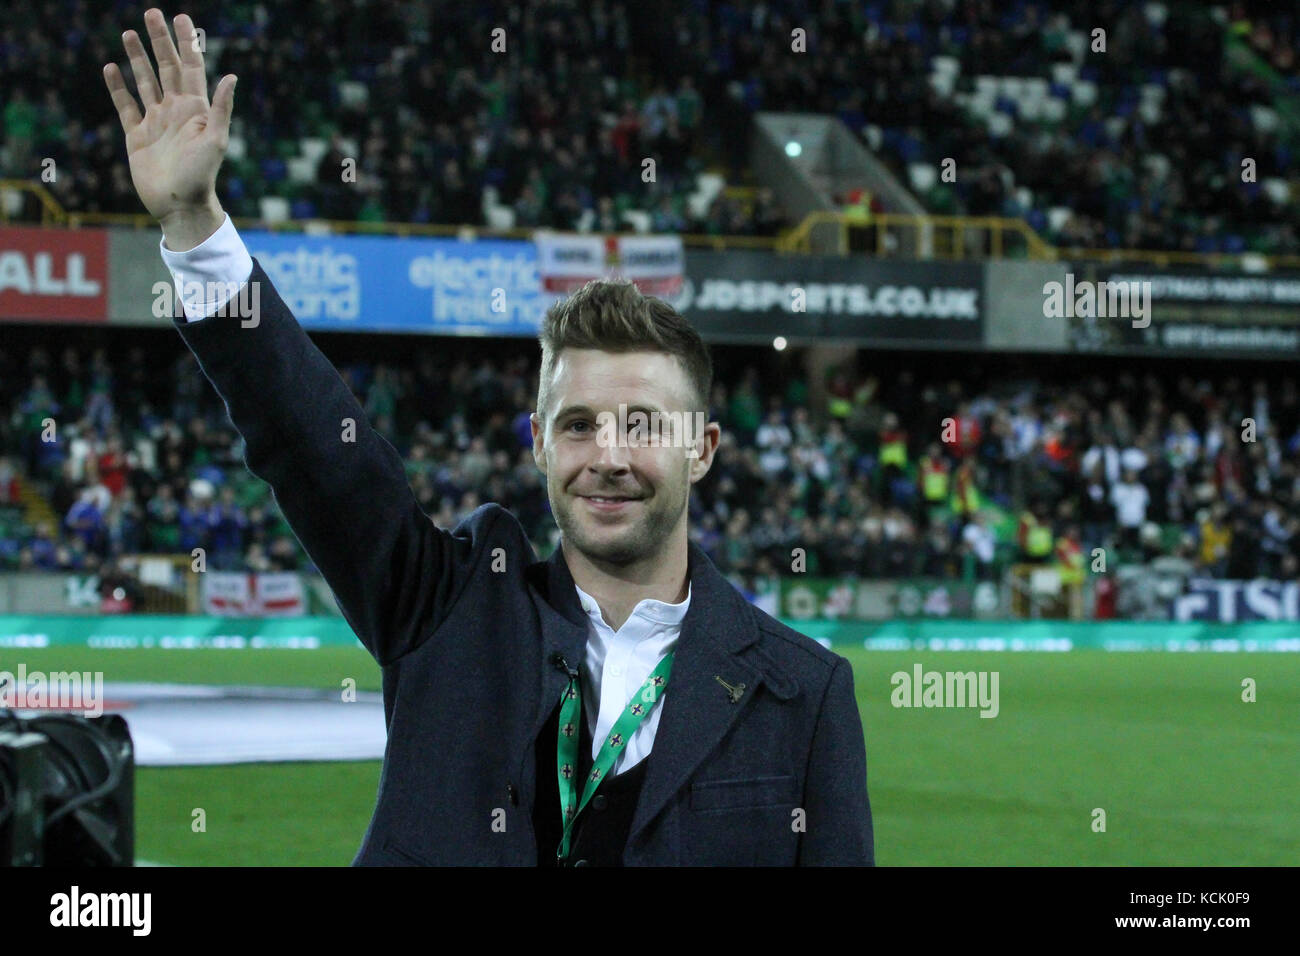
x=223 y=102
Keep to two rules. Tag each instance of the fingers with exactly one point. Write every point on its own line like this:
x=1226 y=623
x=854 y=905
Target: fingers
x=164 y=51
x=141 y=69
x=193 y=77
x=127 y=111
x=223 y=103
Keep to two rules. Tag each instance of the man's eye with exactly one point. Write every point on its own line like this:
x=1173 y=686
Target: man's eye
x=573 y=425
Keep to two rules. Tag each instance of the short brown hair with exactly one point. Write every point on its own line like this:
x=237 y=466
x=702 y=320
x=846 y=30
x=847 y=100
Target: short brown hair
x=612 y=315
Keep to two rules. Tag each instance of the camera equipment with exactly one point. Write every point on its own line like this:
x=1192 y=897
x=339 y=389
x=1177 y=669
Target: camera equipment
x=66 y=791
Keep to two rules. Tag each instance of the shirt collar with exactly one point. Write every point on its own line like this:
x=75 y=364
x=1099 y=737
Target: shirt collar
x=658 y=612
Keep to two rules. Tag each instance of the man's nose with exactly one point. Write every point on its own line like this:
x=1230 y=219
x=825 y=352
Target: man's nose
x=612 y=455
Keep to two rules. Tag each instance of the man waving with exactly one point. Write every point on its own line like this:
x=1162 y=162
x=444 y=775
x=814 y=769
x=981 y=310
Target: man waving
x=619 y=703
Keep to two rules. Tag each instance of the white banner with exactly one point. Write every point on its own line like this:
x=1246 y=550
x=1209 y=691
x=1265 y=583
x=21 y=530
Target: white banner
x=228 y=594
x=567 y=262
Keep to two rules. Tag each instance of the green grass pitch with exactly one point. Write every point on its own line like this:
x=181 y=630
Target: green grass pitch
x=1186 y=772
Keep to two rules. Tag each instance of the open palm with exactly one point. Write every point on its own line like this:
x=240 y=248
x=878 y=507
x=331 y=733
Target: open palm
x=176 y=147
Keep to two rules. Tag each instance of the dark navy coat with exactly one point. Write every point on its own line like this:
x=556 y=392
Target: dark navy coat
x=467 y=625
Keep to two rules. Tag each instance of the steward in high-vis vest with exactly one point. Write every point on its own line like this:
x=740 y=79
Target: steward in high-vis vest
x=933 y=477
x=1035 y=538
x=965 y=494
x=1069 y=558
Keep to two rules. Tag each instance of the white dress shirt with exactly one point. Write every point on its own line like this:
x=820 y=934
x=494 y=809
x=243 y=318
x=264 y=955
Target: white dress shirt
x=617 y=661
x=219 y=264
x=617 y=664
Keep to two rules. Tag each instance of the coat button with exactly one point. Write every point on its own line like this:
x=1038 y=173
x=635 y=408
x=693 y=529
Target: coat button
x=514 y=794
x=598 y=802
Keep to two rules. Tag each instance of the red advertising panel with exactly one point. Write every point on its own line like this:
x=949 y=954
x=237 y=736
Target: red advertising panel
x=54 y=274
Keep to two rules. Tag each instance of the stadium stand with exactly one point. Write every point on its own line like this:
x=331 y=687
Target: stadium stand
x=1138 y=149
x=556 y=140
x=1145 y=462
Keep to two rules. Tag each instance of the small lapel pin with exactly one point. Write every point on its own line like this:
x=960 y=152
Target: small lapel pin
x=733 y=693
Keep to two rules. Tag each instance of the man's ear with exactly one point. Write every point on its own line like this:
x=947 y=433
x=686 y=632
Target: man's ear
x=539 y=438
x=707 y=444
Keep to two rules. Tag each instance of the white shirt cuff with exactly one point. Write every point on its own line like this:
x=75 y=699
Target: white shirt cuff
x=211 y=274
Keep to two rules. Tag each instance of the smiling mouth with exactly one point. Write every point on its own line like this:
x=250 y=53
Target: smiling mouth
x=607 y=504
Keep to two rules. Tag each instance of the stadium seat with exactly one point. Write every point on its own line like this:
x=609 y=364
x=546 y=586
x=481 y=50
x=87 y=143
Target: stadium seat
x=274 y=209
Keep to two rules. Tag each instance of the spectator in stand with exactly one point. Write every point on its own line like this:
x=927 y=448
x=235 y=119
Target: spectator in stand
x=1216 y=540
x=962 y=436
x=85 y=520
x=966 y=499
x=773 y=439
x=41 y=553
x=1131 y=499
x=979 y=548
x=162 y=522
x=1069 y=557
x=227 y=530
x=9 y=490
x=892 y=456
x=1097 y=513
x=123 y=527
x=1034 y=535
x=932 y=476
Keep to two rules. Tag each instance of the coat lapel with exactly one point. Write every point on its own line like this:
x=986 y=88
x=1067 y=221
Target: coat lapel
x=564 y=632
x=698 y=709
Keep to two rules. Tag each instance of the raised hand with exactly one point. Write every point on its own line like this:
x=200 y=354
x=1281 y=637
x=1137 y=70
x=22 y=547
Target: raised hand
x=176 y=148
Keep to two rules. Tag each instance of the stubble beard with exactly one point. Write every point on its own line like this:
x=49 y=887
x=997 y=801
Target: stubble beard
x=626 y=543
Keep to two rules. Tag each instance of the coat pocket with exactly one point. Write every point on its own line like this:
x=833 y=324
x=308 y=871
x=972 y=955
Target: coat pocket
x=742 y=793
x=390 y=848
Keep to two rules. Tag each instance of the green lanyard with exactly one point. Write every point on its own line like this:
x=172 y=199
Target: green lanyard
x=638 y=708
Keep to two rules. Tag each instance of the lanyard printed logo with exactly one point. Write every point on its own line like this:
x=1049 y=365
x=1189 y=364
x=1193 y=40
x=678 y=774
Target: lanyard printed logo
x=566 y=753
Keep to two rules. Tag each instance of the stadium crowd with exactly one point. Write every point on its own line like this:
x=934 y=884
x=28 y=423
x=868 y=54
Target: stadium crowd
x=896 y=474
x=559 y=126
x=1145 y=152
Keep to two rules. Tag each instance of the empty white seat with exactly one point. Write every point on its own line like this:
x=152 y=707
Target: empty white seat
x=1085 y=92
x=274 y=209
x=942 y=84
x=1036 y=88
x=1276 y=189
x=1053 y=110
x=500 y=217
x=1264 y=118
x=1150 y=112
x=999 y=124
x=923 y=176
x=638 y=218
x=12 y=201
x=301 y=169
x=313 y=148
x=353 y=93
x=947 y=65
x=1058 y=216
x=1064 y=73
